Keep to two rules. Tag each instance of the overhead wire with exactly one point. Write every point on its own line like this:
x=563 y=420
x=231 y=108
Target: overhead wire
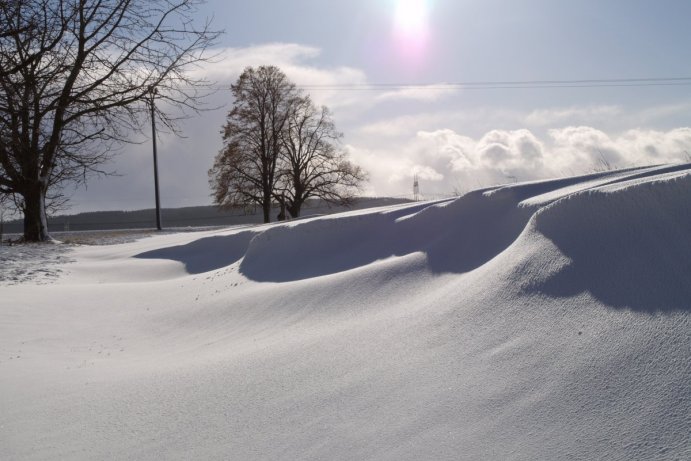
x=494 y=85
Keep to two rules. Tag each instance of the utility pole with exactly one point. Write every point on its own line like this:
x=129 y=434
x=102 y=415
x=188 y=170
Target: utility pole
x=152 y=92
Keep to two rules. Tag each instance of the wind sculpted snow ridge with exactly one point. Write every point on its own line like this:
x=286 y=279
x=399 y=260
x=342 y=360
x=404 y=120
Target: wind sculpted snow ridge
x=544 y=320
x=456 y=236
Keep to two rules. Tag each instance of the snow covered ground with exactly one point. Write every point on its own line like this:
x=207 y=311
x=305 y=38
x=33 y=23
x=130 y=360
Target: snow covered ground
x=545 y=320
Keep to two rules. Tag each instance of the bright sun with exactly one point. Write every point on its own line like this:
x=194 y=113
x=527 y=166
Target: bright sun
x=411 y=16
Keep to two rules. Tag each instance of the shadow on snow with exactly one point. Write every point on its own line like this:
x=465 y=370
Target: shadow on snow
x=205 y=254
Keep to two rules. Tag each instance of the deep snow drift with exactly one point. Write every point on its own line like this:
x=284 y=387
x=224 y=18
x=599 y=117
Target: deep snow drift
x=546 y=320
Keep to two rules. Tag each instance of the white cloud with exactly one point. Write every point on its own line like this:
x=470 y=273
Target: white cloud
x=588 y=146
x=228 y=63
x=480 y=120
x=581 y=145
x=571 y=115
x=655 y=113
x=427 y=173
x=650 y=145
x=446 y=161
x=425 y=93
x=292 y=59
x=476 y=121
x=510 y=150
x=295 y=60
x=404 y=125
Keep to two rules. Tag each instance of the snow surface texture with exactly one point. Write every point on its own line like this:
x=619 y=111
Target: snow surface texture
x=32 y=263
x=545 y=320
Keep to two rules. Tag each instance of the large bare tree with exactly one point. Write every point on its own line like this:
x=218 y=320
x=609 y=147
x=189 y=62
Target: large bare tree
x=279 y=148
x=314 y=165
x=75 y=80
x=245 y=170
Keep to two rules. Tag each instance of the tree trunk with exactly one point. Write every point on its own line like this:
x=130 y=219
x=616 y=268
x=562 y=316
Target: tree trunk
x=35 y=220
x=266 y=208
x=294 y=209
x=282 y=214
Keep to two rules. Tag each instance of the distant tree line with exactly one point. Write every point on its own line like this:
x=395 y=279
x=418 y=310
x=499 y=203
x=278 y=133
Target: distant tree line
x=280 y=148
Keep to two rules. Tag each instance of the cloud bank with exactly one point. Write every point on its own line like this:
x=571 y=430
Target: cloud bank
x=446 y=161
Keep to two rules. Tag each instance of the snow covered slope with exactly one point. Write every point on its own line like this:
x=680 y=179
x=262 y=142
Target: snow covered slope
x=545 y=320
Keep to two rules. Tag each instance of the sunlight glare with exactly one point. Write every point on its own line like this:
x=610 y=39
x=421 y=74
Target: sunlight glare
x=411 y=16
x=411 y=31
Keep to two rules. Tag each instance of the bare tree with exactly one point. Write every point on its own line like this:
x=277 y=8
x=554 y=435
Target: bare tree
x=75 y=82
x=233 y=178
x=313 y=163
x=245 y=171
x=279 y=147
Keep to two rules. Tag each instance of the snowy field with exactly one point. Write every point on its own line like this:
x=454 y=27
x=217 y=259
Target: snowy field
x=546 y=320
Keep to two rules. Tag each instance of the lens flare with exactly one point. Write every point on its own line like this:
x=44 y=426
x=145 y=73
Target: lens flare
x=411 y=31
x=411 y=17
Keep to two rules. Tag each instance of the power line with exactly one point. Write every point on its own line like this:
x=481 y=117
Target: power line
x=509 y=84
x=495 y=85
x=487 y=87
x=524 y=82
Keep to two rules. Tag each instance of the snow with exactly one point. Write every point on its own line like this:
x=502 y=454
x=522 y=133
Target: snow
x=36 y=263
x=544 y=320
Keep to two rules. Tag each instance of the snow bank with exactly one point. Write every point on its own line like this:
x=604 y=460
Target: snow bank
x=627 y=244
x=545 y=320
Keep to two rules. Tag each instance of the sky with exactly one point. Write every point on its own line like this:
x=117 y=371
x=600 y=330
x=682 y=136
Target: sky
x=454 y=138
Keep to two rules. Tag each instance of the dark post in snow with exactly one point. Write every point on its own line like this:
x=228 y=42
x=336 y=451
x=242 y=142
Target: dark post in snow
x=152 y=91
